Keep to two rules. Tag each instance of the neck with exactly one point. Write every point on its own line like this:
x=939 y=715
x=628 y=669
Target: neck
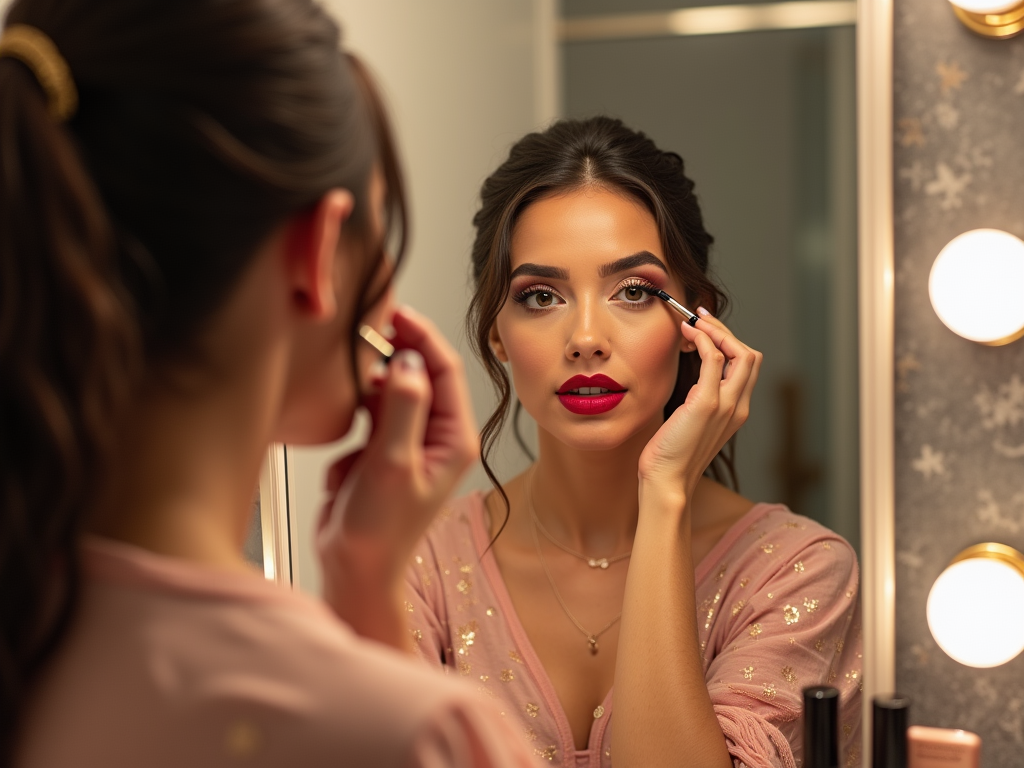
x=588 y=499
x=186 y=470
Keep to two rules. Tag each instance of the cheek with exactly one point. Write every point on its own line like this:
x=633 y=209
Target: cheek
x=531 y=352
x=653 y=353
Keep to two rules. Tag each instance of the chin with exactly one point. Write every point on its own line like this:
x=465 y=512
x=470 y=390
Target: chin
x=603 y=434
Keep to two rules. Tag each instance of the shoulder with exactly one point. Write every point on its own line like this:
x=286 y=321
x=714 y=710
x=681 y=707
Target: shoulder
x=771 y=541
x=443 y=562
x=278 y=680
x=455 y=532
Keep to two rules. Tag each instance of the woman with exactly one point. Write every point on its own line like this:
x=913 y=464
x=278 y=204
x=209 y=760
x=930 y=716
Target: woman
x=618 y=556
x=193 y=201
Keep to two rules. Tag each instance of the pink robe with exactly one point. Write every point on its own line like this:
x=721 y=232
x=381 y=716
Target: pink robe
x=173 y=664
x=777 y=610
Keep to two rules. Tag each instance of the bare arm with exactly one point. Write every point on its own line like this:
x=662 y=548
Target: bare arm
x=664 y=713
x=662 y=708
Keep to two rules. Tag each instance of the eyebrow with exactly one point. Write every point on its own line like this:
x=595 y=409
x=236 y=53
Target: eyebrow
x=641 y=258
x=540 y=270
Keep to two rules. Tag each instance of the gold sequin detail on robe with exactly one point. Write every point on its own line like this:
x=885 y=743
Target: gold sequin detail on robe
x=548 y=753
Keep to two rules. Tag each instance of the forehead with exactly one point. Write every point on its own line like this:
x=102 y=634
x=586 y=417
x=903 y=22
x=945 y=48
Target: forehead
x=590 y=225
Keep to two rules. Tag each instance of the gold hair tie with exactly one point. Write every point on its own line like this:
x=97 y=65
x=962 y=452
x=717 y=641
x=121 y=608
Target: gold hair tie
x=37 y=51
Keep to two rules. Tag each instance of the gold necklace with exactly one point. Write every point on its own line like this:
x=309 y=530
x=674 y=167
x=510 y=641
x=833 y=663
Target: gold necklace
x=593 y=562
x=592 y=637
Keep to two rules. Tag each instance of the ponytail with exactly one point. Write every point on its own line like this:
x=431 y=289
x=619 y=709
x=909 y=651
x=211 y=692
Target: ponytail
x=68 y=350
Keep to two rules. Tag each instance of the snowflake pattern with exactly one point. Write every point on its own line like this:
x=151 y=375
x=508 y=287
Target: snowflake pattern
x=951 y=76
x=948 y=184
x=1004 y=408
x=990 y=512
x=911 y=134
x=930 y=462
x=960 y=409
x=915 y=174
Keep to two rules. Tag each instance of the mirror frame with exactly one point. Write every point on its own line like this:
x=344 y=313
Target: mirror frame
x=876 y=327
x=277 y=560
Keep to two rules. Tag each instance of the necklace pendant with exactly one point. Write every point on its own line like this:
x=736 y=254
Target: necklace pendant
x=593 y=645
x=594 y=562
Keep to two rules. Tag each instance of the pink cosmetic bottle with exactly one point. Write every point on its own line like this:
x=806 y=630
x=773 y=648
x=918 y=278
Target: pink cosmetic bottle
x=942 y=748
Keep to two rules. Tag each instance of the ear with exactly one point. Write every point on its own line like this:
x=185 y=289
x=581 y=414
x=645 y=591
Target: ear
x=494 y=340
x=311 y=247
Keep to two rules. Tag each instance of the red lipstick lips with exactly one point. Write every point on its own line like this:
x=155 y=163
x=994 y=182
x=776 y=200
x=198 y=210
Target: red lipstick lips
x=590 y=395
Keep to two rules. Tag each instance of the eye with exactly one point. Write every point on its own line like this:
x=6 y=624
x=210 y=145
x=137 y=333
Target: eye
x=537 y=298
x=540 y=299
x=635 y=291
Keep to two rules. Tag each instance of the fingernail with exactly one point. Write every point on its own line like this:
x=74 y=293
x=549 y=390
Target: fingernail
x=703 y=312
x=409 y=360
x=378 y=370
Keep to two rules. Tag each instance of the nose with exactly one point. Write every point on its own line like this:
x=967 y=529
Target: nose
x=587 y=338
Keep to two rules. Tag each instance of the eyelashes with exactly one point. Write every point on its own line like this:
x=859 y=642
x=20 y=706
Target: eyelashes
x=628 y=288
x=538 y=298
x=632 y=293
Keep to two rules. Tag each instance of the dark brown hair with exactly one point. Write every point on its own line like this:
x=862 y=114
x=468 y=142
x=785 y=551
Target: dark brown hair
x=574 y=154
x=202 y=125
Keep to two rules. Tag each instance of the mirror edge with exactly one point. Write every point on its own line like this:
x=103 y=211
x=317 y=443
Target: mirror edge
x=876 y=327
x=274 y=516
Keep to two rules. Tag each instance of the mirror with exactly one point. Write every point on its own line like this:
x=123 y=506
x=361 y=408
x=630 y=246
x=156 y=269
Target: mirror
x=497 y=76
x=764 y=121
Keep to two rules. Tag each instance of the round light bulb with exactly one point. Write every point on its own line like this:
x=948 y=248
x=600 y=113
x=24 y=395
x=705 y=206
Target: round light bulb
x=977 y=286
x=986 y=6
x=976 y=608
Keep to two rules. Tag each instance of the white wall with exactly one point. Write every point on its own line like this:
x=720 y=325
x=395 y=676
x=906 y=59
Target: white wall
x=463 y=80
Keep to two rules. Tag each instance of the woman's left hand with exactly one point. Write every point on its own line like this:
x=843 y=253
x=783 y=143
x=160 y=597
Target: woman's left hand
x=715 y=408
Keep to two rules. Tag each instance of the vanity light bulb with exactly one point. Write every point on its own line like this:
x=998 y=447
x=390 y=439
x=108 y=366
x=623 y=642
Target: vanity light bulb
x=986 y=6
x=977 y=286
x=976 y=611
x=994 y=19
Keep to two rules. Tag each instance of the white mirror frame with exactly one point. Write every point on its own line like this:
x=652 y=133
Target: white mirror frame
x=277 y=565
x=876 y=324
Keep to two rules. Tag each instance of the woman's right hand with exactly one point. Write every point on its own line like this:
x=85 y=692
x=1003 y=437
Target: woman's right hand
x=383 y=498
x=715 y=408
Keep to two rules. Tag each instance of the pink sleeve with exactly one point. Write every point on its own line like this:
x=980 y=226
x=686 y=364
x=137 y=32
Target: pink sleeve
x=425 y=605
x=798 y=628
x=465 y=736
